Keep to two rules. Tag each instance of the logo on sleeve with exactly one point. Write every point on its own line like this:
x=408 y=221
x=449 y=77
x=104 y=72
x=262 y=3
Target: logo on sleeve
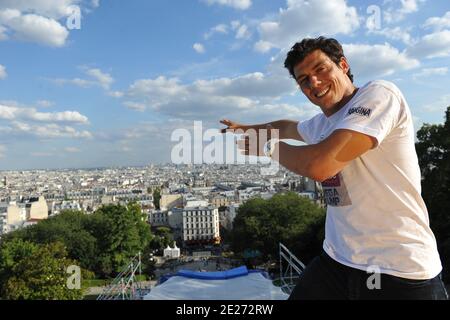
x=365 y=112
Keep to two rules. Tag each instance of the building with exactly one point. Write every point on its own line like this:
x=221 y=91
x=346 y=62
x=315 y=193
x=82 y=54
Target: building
x=220 y=201
x=228 y=216
x=36 y=208
x=158 y=218
x=57 y=206
x=169 y=201
x=11 y=217
x=201 y=225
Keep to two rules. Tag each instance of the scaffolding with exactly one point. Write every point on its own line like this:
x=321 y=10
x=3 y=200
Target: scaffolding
x=126 y=286
x=290 y=269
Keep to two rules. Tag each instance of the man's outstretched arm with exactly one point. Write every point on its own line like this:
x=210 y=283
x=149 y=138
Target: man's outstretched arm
x=287 y=129
x=327 y=158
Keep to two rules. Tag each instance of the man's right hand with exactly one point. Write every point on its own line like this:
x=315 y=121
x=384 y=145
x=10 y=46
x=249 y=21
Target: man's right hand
x=287 y=129
x=254 y=136
x=231 y=125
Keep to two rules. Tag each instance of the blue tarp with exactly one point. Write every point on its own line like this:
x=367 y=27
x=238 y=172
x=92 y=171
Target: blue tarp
x=216 y=275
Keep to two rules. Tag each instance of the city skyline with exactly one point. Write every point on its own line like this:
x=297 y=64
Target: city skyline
x=110 y=91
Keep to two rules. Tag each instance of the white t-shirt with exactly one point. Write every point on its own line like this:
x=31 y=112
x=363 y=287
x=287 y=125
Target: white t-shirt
x=376 y=216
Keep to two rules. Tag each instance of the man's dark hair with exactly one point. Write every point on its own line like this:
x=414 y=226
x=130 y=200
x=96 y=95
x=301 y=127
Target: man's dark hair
x=331 y=47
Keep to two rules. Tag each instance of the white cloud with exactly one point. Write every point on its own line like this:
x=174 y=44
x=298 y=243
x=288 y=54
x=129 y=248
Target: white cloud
x=83 y=83
x=44 y=131
x=115 y=94
x=409 y=6
x=45 y=103
x=221 y=28
x=235 y=24
x=237 y=4
x=263 y=46
x=310 y=18
x=243 y=32
x=426 y=72
x=55 y=9
x=134 y=106
x=15 y=113
x=252 y=85
x=3 y=35
x=396 y=33
x=3 y=73
x=256 y=93
x=395 y=13
x=369 y=61
x=438 y=106
x=39 y=21
x=72 y=150
x=199 y=48
x=99 y=79
x=158 y=90
x=34 y=28
x=65 y=116
x=438 y=23
x=103 y=79
x=432 y=45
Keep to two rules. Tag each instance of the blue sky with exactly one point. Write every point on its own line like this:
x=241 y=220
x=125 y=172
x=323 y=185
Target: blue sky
x=112 y=92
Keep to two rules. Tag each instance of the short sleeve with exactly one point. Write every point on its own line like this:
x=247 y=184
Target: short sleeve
x=375 y=113
x=307 y=128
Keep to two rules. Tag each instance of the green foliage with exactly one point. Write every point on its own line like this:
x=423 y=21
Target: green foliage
x=102 y=242
x=127 y=234
x=288 y=218
x=433 y=150
x=69 y=228
x=156 y=197
x=163 y=237
x=37 y=272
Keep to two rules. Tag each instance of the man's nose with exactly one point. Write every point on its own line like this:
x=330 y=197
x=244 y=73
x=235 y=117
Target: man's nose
x=314 y=82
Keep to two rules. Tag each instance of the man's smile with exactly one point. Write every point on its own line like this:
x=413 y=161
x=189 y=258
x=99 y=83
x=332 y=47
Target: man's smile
x=322 y=93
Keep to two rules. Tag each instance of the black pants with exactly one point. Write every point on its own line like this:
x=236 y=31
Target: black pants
x=326 y=279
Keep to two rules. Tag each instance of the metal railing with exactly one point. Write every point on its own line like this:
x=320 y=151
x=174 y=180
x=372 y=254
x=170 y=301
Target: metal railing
x=290 y=269
x=125 y=286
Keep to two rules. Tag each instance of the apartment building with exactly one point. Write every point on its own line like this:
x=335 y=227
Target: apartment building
x=201 y=225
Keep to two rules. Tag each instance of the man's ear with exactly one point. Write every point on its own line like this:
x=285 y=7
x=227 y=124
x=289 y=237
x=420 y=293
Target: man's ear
x=343 y=63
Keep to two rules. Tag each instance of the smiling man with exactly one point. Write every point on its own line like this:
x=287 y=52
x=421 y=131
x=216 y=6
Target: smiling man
x=361 y=148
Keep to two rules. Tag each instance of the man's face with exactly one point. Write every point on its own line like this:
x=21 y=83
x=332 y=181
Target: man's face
x=323 y=82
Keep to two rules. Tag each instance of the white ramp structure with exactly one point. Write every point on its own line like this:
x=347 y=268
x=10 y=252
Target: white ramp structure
x=234 y=284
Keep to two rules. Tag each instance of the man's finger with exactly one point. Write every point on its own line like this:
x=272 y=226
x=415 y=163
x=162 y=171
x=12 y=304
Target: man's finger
x=226 y=130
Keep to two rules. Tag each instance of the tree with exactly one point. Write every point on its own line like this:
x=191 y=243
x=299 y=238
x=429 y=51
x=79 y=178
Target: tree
x=163 y=237
x=433 y=150
x=127 y=233
x=37 y=272
x=156 y=197
x=288 y=218
x=102 y=242
x=69 y=228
